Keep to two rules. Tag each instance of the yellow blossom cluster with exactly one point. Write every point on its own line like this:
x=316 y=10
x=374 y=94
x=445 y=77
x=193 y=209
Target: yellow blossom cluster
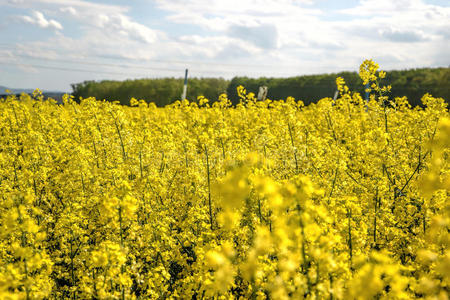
x=342 y=199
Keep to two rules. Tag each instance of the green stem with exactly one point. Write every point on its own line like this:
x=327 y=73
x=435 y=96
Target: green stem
x=350 y=244
x=293 y=147
x=122 y=268
x=209 y=188
x=223 y=148
x=375 y=218
x=334 y=182
x=259 y=210
x=124 y=154
x=140 y=162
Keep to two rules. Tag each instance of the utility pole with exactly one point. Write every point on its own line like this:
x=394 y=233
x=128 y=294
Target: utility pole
x=183 y=96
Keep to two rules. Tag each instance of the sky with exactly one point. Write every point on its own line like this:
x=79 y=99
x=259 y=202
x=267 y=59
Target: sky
x=51 y=44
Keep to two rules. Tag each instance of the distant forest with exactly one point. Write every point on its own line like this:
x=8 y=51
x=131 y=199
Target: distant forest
x=413 y=83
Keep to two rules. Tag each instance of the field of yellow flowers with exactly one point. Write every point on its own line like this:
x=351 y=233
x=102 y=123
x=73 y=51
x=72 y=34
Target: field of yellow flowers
x=343 y=199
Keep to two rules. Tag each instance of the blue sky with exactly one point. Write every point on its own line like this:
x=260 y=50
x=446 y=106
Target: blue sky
x=50 y=44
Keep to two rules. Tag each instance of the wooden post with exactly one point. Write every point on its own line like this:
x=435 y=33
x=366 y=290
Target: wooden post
x=335 y=95
x=183 y=95
x=262 y=94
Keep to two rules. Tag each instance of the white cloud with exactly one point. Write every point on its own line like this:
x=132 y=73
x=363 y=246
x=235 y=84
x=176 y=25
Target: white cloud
x=38 y=18
x=383 y=7
x=119 y=23
x=69 y=9
x=109 y=19
x=401 y=15
x=220 y=15
x=78 y=4
x=264 y=36
x=270 y=25
x=403 y=36
x=214 y=47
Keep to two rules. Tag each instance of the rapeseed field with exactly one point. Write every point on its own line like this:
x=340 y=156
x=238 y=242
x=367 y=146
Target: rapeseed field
x=342 y=199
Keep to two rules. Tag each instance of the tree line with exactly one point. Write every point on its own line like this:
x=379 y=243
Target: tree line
x=413 y=84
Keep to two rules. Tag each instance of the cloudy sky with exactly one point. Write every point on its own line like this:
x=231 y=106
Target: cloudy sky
x=50 y=44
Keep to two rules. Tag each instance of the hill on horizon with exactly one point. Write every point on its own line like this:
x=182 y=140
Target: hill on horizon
x=22 y=90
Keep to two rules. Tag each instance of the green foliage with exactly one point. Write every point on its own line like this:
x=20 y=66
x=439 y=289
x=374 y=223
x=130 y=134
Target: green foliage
x=412 y=83
x=160 y=91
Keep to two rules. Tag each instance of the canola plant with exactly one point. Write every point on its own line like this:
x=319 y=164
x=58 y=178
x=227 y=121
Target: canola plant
x=342 y=199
